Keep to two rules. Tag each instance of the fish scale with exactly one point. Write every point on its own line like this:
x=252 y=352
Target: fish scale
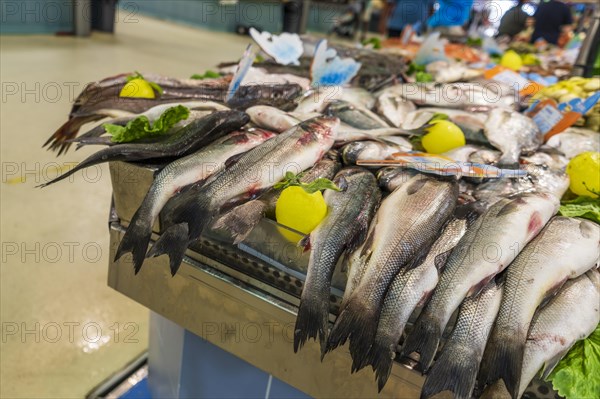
x=344 y=228
x=486 y=249
x=407 y=221
x=564 y=249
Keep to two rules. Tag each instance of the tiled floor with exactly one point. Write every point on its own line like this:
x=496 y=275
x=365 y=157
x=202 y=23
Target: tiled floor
x=63 y=330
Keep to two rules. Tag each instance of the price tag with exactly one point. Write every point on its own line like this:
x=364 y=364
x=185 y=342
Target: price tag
x=547 y=118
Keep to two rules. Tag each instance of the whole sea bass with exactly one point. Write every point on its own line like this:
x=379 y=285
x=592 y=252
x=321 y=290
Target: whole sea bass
x=343 y=229
x=411 y=289
x=240 y=220
x=184 y=141
x=572 y=315
x=408 y=221
x=176 y=175
x=564 y=249
x=258 y=169
x=485 y=250
x=456 y=368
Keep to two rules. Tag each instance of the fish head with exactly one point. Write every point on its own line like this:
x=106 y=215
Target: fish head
x=257 y=135
x=322 y=127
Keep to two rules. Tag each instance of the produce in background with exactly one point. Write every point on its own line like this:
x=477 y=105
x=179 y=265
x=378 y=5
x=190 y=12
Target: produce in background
x=584 y=172
x=512 y=60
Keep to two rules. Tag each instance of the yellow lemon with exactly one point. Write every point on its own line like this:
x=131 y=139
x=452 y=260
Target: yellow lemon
x=584 y=172
x=299 y=210
x=443 y=136
x=137 y=88
x=511 y=60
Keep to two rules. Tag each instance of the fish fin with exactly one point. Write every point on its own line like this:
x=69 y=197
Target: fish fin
x=313 y=319
x=305 y=243
x=551 y=363
x=424 y=339
x=441 y=259
x=383 y=353
x=136 y=238
x=503 y=359
x=551 y=293
x=368 y=243
x=476 y=289
x=455 y=370
x=415 y=186
x=68 y=130
x=241 y=220
x=341 y=183
x=173 y=242
x=233 y=160
x=512 y=206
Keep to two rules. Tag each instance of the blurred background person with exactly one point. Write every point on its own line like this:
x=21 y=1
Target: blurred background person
x=513 y=21
x=551 y=19
x=451 y=16
x=396 y=14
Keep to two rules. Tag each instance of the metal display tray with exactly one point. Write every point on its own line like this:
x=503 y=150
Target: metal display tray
x=226 y=293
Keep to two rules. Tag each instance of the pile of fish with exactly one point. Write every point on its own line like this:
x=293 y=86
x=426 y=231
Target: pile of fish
x=521 y=281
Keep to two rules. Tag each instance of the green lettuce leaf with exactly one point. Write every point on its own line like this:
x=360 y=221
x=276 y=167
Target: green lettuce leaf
x=140 y=127
x=577 y=375
x=585 y=207
x=206 y=75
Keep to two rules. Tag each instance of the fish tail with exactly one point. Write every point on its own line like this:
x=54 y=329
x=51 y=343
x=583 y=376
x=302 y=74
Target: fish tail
x=136 y=238
x=383 y=353
x=503 y=359
x=424 y=339
x=241 y=220
x=173 y=242
x=357 y=322
x=455 y=371
x=99 y=157
x=312 y=321
x=68 y=130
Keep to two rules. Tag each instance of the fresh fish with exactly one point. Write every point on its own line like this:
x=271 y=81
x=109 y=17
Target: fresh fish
x=271 y=118
x=259 y=76
x=574 y=141
x=570 y=316
x=256 y=170
x=363 y=150
x=472 y=124
x=547 y=160
x=392 y=177
x=316 y=100
x=394 y=108
x=408 y=221
x=411 y=289
x=453 y=95
x=349 y=134
x=485 y=250
x=343 y=229
x=359 y=96
x=456 y=368
x=473 y=153
x=242 y=219
x=176 y=175
x=449 y=72
x=355 y=116
x=512 y=133
x=184 y=141
x=566 y=248
x=101 y=99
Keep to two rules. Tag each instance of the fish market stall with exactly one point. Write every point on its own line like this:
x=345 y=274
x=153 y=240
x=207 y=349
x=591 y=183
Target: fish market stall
x=361 y=225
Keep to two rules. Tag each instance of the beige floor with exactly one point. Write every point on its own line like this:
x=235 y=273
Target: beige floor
x=55 y=240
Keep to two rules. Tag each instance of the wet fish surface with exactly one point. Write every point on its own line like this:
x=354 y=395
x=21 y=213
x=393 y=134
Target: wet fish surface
x=486 y=249
x=456 y=368
x=408 y=220
x=564 y=249
x=343 y=229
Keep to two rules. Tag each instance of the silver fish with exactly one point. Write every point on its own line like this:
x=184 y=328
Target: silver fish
x=485 y=250
x=411 y=289
x=566 y=248
x=176 y=175
x=258 y=169
x=453 y=95
x=449 y=72
x=408 y=221
x=359 y=96
x=242 y=219
x=356 y=116
x=394 y=108
x=570 y=316
x=512 y=133
x=316 y=100
x=343 y=229
x=473 y=153
x=271 y=118
x=574 y=141
x=363 y=150
x=456 y=368
x=392 y=177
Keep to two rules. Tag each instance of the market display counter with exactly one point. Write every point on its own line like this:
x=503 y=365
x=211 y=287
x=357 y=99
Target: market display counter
x=240 y=303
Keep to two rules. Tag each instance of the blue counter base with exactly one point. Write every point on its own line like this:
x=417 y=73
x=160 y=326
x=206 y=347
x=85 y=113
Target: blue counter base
x=183 y=365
